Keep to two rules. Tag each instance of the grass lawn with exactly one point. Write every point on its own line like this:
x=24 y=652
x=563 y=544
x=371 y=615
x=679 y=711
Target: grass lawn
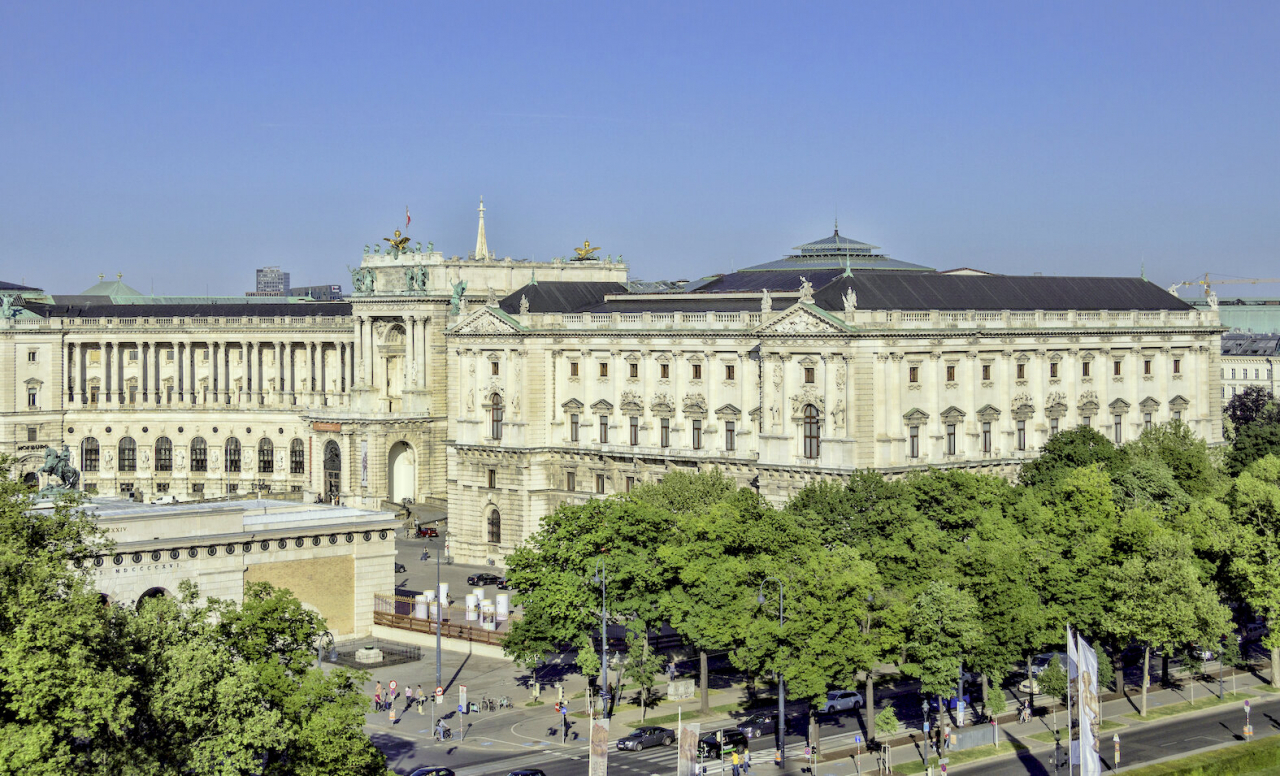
x=1265 y=688
x=1047 y=736
x=1255 y=758
x=1172 y=709
x=905 y=761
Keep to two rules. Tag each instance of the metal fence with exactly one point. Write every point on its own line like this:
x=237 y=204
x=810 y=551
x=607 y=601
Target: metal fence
x=396 y=611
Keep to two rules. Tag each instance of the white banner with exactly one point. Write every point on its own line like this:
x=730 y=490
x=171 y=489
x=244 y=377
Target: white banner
x=687 y=752
x=1087 y=703
x=598 y=751
x=1073 y=696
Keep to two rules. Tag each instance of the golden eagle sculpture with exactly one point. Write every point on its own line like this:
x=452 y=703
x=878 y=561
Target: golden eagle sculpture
x=585 y=251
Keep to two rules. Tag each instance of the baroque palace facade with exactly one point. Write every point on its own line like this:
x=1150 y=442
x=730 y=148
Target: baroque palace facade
x=499 y=389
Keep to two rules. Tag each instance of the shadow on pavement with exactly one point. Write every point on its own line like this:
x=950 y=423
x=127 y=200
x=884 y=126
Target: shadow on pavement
x=1028 y=759
x=394 y=747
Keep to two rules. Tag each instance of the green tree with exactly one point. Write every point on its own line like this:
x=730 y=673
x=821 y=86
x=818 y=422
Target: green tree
x=945 y=626
x=1252 y=404
x=1067 y=451
x=1253 y=442
x=886 y=725
x=1159 y=600
x=1255 y=563
x=1053 y=681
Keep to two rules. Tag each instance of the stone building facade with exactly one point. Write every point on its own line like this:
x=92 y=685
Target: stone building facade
x=499 y=389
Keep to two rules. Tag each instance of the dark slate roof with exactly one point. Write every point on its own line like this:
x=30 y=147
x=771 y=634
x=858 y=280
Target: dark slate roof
x=671 y=303
x=559 y=296
x=7 y=286
x=933 y=291
x=1250 y=344
x=297 y=309
x=835 y=244
x=753 y=281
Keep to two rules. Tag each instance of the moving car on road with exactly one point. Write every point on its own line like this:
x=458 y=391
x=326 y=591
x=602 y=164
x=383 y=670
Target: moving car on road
x=646 y=736
x=762 y=723
x=710 y=747
x=433 y=770
x=842 y=700
x=527 y=772
x=482 y=579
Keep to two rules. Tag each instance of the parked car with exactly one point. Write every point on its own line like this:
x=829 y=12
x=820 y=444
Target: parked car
x=709 y=746
x=1200 y=653
x=646 y=736
x=842 y=700
x=951 y=702
x=430 y=531
x=1255 y=630
x=400 y=569
x=482 y=579
x=527 y=772
x=433 y=770
x=503 y=584
x=1041 y=662
x=762 y=723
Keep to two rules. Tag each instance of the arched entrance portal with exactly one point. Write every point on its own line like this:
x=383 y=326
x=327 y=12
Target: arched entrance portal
x=31 y=480
x=155 y=592
x=402 y=472
x=332 y=470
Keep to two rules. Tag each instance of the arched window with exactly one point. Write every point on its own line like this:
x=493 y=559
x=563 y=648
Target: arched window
x=812 y=428
x=164 y=455
x=495 y=527
x=233 y=454
x=199 y=455
x=297 y=457
x=265 y=453
x=89 y=454
x=127 y=452
x=495 y=416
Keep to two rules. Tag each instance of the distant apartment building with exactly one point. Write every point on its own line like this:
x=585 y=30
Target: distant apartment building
x=318 y=293
x=1248 y=359
x=271 y=282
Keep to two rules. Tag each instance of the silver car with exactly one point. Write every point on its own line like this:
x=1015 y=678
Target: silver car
x=842 y=700
x=646 y=736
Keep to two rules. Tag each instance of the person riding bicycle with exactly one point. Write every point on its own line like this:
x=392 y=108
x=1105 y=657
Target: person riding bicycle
x=442 y=730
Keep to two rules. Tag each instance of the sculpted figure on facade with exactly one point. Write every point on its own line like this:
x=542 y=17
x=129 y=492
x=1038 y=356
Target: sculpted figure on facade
x=492 y=299
x=179 y=459
x=850 y=300
x=837 y=413
x=456 y=302
x=806 y=291
x=766 y=302
x=524 y=305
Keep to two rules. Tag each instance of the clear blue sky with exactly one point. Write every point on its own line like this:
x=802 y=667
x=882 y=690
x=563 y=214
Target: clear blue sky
x=185 y=144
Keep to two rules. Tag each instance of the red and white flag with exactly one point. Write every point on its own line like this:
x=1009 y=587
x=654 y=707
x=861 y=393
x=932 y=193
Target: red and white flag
x=406 y=217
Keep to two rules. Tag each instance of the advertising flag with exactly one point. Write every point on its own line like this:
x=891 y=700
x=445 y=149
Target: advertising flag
x=1073 y=672
x=1087 y=708
x=687 y=754
x=598 y=753
x=406 y=217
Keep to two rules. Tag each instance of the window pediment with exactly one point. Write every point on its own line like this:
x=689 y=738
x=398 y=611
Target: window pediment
x=1179 y=403
x=1056 y=410
x=989 y=413
x=952 y=414
x=602 y=407
x=916 y=417
x=573 y=405
x=728 y=412
x=1149 y=404
x=695 y=406
x=1119 y=406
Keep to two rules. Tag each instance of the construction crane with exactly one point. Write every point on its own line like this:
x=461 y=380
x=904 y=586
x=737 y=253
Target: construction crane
x=1207 y=283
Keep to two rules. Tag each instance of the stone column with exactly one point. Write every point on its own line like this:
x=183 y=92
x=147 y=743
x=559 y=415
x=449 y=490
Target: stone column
x=191 y=371
x=84 y=373
x=324 y=375
x=281 y=384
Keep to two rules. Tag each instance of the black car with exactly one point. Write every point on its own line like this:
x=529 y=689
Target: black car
x=734 y=741
x=762 y=723
x=482 y=579
x=503 y=584
x=400 y=569
x=527 y=772
x=432 y=770
x=646 y=736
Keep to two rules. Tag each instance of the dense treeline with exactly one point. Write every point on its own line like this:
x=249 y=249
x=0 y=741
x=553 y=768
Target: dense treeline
x=179 y=687
x=1159 y=544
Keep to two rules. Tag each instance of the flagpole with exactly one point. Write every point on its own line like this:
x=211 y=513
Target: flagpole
x=1070 y=651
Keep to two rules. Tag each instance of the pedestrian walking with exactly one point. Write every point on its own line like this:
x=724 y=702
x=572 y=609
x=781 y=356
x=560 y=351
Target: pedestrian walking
x=422 y=699
x=408 y=698
x=377 y=697
x=736 y=764
x=746 y=761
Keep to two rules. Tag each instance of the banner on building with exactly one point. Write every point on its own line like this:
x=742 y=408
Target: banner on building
x=1088 y=715
x=687 y=753
x=598 y=759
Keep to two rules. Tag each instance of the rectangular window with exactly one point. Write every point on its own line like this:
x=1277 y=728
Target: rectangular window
x=913 y=446
x=808 y=374
x=93 y=395
x=1146 y=366
x=493 y=367
x=133 y=354
x=1084 y=369
x=1146 y=420
x=986 y=436
x=32 y=433
x=31 y=356
x=951 y=439
x=635 y=431
x=233 y=487
x=133 y=395
x=631 y=483
x=1233 y=374
x=986 y=371
x=697 y=371
x=1115 y=368
x=730 y=436
x=197 y=487
x=1053 y=369
x=32 y=393
x=728 y=371
x=1117 y=428
x=126 y=487
x=604 y=430
x=604 y=369
x=664 y=432
x=697 y=435
x=913 y=374
x=951 y=373
x=1022 y=371
x=635 y=370
x=664 y=371
x=168 y=356
x=573 y=368
x=1177 y=415
x=493 y=478
x=1022 y=435
x=570 y=481
x=599 y=483
x=1086 y=421
x=1053 y=426
x=573 y=428
x=162 y=487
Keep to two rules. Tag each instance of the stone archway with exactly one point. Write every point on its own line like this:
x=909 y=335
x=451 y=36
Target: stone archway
x=150 y=593
x=402 y=472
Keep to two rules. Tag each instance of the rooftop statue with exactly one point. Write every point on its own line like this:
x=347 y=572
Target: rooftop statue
x=850 y=299
x=492 y=299
x=396 y=244
x=766 y=302
x=8 y=306
x=58 y=464
x=524 y=305
x=455 y=302
x=806 y=291
x=585 y=251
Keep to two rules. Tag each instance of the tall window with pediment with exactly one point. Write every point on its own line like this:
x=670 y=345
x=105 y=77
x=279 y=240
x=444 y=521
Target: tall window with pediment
x=495 y=416
x=89 y=454
x=812 y=431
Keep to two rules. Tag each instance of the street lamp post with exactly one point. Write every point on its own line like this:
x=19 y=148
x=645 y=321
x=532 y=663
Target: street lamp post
x=600 y=580
x=782 y=689
x=440 y=604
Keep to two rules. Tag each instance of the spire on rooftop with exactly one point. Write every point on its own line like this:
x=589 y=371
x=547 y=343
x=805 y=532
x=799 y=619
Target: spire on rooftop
x=482 y=243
